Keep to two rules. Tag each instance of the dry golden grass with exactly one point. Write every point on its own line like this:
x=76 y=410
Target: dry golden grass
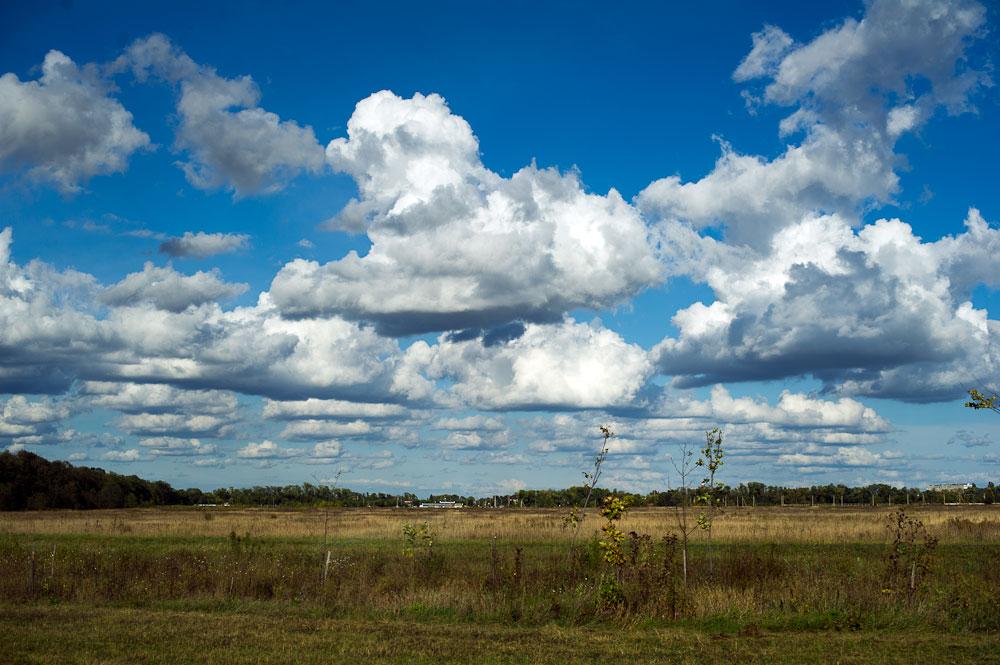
x=735 y=525
x=791 y=568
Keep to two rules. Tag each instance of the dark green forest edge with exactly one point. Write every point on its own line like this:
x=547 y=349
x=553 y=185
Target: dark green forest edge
x=30 y=482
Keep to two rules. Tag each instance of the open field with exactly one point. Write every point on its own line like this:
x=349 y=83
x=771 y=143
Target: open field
x=776 y=585
x=791 y=524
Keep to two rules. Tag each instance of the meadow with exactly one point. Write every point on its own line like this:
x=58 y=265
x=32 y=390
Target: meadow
x=792 y=584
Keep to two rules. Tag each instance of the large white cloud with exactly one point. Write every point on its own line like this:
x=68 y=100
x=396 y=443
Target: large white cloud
x=157 y=398
x=848 y=72
x=792 y=410
x=18 y=410
x=232 y=142
x=874 y=312
x=871 y=311
x=566 y=365
x=856 y=87
x=51 y=334
x=64 y=128
x=253 y=350
x=175 y=425
x=455 y=245
x=753 y=197
x=305 y=430
x=47 y=331
x=34 y=422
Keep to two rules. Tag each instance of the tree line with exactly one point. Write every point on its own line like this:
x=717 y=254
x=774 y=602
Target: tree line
x=30 y=482
x=760 y=494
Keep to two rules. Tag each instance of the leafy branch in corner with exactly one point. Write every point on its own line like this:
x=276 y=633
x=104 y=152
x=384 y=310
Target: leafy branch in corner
x=978 y=400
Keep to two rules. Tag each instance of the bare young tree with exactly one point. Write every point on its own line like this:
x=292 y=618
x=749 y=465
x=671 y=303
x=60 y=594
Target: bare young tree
x=326 y=524
x=684 y=466
x=326 y=504
x=711 y=459
x=574 y=518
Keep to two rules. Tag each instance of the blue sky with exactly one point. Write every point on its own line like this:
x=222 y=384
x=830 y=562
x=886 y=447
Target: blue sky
x=783 y=223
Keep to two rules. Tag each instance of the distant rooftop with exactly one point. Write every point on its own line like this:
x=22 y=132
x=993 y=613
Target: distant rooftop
x=949 y=487
x=442 y=504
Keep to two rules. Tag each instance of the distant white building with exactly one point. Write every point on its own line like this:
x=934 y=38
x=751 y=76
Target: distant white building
x=949 y=487
x=442 y=504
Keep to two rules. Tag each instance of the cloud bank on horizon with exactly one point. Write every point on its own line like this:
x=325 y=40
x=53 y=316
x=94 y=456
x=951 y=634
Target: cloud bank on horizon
x=469 y=334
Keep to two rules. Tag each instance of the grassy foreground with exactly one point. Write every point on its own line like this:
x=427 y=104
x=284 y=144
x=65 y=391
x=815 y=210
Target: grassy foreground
x=41 y=634
x=792 y=585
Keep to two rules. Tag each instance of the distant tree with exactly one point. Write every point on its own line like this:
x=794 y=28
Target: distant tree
x=111 y=495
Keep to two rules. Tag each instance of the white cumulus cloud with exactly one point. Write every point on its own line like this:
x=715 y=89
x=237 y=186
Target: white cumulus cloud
x=324 y=429
x=569 y=364
x=231 y=141
x=266 y=450
x=873 y=312
x=856 y=87
x=65 y=128
x=330 y=408
x=170 y=446
x=165 y=288
x=454 y=245
x=201 y=245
